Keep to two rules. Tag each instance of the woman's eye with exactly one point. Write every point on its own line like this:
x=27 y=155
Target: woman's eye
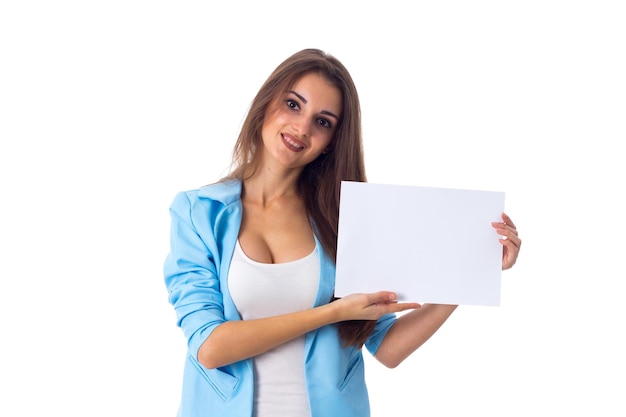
x=324 y=123
x=292 y=104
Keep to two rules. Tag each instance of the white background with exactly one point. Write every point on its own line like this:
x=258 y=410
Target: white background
x=107 y=109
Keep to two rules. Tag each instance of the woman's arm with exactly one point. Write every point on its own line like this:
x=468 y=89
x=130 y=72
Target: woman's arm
x=410 y=332
x=233 y=341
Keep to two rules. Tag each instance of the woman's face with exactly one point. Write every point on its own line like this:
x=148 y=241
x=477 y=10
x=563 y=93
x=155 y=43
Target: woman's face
x=301 y=124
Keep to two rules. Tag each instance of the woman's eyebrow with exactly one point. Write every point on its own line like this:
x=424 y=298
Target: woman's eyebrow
x=299 y=96
x=305 y=101
x=326 y=112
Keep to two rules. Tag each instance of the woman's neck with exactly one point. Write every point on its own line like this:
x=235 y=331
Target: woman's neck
x=265 y=187
x=271 y=181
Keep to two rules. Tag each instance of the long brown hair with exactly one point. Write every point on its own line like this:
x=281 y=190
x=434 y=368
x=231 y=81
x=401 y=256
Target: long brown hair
x=320 y=181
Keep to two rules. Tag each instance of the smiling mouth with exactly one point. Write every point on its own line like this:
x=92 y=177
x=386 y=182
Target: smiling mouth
x=293 y=143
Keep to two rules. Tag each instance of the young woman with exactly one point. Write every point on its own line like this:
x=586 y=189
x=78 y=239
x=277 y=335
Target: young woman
x=251 y=267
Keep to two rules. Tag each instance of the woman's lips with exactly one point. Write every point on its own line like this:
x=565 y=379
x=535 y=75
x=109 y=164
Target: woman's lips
x=293 y=143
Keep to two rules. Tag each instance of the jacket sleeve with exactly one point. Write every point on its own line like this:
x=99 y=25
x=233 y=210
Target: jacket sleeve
x=191 y=276
x=382 y=327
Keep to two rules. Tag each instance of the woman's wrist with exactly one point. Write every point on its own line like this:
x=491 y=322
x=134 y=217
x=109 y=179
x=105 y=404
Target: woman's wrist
x=331 y=312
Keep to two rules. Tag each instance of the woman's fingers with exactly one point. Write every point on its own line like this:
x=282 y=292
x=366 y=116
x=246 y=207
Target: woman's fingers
x=387 y=301
x=510 y=240
x=508 y=220
x=371 y=306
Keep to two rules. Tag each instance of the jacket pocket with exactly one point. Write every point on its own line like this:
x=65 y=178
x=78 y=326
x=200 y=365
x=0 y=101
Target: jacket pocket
x=222 y=382
x=355 y=368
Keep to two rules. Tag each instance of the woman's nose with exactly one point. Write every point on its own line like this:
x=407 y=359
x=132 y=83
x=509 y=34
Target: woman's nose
x=302 y=125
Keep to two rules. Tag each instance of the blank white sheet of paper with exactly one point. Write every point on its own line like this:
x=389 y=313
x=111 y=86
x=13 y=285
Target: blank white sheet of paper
x=427 y=244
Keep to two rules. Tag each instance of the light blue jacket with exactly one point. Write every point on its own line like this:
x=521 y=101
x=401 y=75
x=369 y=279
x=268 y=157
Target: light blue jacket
x=204 y=230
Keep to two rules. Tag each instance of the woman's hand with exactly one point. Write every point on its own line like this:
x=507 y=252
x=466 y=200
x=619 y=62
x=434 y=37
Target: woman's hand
x=511 y=242
x=370 y=306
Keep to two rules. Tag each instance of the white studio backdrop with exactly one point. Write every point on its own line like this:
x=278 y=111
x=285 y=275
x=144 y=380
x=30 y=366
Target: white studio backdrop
x=107 y=109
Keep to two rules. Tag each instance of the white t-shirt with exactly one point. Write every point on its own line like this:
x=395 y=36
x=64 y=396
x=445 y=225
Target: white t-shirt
x=262 y=290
